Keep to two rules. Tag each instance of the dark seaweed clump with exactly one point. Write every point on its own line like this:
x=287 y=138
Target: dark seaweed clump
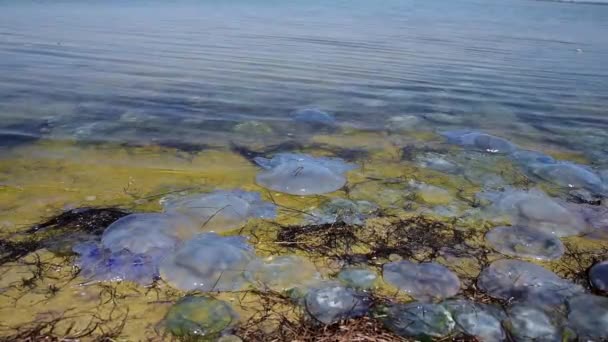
x=418 y=238
x=60 y=232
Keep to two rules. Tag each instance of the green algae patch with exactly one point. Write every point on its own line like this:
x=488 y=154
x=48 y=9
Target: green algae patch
x=48 y=177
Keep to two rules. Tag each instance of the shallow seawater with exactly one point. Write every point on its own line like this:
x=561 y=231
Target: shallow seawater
x=323 y=138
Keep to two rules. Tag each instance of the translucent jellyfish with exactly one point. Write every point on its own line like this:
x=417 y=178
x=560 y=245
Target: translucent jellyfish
x=535 y=209
x=283 y=272
x=99 y=264
x=331 y=302
x=479 y=141
x=525 y=242
x=403 y=123
x=199 y=317
x=220 y=210
x=527 y=158
x=300 y=174
x=314 y=117
x=588 y=316
x=529 y=323
x=420 y=320
x=437 y=162
x=508 y=279
x=482 y=321
x=425 y=281
x=569 y=175
x=342 y=210
x=208 y=262
x=141 y=233
x=598 y=276
x=432 y=195
x=358 y=278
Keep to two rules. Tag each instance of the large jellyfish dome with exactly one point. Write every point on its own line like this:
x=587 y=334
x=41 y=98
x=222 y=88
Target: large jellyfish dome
x=535 y=209
x=425 y=281
x=132 y=247
x=209 y=262
x=479 y=141
x=300 y=174
x=221 y=210
x=507 y=279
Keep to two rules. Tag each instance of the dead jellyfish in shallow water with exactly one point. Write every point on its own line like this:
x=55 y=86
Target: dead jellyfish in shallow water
x=528 y=158
x=221 y=210
x=437 y=162
x=420 y=320
x=482 y=321
x=331 y=302
x=199 y=317
x=479 y=141
x=140 y=233
x=525 y=242
x=425 y=281
x=535 y=209
x=515 y=279
x=598 y=276
x=99 y=264
x=358 y=278
x=209 y=262
x=529 y=323
x=342 y=210
x=569 y=175
x=588 y=316
x=283 y=272
x=314 y=117
x=300 y=174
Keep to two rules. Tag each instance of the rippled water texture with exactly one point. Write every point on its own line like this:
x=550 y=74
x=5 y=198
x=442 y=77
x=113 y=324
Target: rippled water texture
x=421 y=168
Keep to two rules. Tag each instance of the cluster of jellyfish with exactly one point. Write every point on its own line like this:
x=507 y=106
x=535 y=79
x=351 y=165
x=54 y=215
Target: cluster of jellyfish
x=182 y=246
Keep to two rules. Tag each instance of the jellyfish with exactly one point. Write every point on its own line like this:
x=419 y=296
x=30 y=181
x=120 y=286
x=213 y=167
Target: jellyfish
x=342 y=210
x=314 y=118
x=479 y=141
x=588 y=316
x=283 y=272
x=419 y=320
x=525 y=242
x=209 y=262
x=330 y=302
x=200 y=317
x=483 y=321
x=300 y=174
x=516 y=279
x=424 y=281
x=221 y=211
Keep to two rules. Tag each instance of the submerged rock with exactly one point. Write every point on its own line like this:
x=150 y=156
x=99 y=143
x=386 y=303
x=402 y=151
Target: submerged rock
x=514 y=279
x=141 y=233
x=358 y=278
x=199 y=317
x=535 y=209
x=314 y=117
x=598 y=276
x=221 y=210
x=342 y=210
x=479 y=141
x=525 y=242
x=425 y=281
x=300 y=174
x=482 y=321
x=209 y=262
x=588 y=316
x=283 y=272
x=331 y=302
x=99 y=264
x=529 y=323
x=419 y=320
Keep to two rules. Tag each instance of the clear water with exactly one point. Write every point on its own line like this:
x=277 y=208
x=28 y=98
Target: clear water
x=156 y=72
x=107 y=104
